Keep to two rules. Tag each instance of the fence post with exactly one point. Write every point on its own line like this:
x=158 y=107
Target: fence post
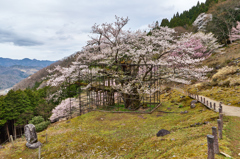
x=210 y=140
x=11 y=139
x=207 y=102
x=214 y=105
x=219 y=128
x=220 y=110
x=210 y=104
x=203 y=100
x=220 y=107
x=197 y=97
x=39 y=152
x=221 y=117
x=215 y=143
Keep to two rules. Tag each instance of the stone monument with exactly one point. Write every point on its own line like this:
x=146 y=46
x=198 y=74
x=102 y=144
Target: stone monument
x=31 y=136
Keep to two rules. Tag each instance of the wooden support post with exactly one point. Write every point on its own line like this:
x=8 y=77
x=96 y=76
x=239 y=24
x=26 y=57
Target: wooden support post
x=39 y=152
x=11 y=139
x=220 y=106
x=221 y=117
x=215 y=143
x=197 y=97
x=210 y=140
x=203 y=100
x=214 y=106
x=219 y=128
x=210 y=104
x=207 y=102
x=220 y=110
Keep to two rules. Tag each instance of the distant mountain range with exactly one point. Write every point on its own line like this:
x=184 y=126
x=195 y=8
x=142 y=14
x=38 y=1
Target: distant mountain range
x=24 y=62
x=13 y=71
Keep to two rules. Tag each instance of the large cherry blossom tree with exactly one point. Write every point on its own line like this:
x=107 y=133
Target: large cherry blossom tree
x=177 y=57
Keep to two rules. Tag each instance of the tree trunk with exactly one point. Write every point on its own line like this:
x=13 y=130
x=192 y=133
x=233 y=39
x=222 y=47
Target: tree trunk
x=110 y=99
x=7 y=130
x=15 y=132
x=132 y=101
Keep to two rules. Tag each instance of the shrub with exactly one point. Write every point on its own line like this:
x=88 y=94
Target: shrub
x=41 y=126
x=180 y=106
x=36 y=120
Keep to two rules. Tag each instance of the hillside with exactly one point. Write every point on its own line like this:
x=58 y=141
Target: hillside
x=9 y=76
x=14 y=71
x=112 y=135
x=43 y=73
x=116 y=81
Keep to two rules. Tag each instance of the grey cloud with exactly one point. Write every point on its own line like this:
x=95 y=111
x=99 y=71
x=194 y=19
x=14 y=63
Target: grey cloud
x=8 y=36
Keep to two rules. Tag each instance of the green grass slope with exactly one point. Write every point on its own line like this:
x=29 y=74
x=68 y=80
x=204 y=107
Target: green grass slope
x=114 y=135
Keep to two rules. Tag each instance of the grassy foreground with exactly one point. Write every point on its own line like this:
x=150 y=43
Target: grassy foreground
x=108 y=135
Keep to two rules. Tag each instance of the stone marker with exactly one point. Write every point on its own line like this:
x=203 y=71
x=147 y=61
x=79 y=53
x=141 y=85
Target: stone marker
x=163 y=132
x=31 y=136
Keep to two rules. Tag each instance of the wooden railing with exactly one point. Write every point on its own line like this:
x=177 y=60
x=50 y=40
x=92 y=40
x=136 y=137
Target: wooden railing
x=211 y=105
x=213 y=146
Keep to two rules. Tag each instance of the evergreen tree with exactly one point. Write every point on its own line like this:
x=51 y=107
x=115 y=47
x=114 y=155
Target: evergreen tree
x=164 y=22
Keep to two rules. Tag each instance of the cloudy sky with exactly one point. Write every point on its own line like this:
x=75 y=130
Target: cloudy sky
x=54 y=29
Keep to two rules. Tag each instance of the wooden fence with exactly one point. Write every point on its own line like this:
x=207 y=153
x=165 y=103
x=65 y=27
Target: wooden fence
x=213 y=106
x=213 y=147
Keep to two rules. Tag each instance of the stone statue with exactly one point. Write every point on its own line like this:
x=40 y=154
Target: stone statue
x=31 y=136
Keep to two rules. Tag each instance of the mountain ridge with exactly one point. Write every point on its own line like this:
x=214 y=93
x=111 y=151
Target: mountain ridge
x=7 y=62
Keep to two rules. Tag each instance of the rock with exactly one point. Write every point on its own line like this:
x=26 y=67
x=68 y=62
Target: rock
x=205 y=122
x=196 y=124
x=218 y=67
x=163 y=132
x=185 y=112
x=229 y=103
x=193 y=102
x=31 y=136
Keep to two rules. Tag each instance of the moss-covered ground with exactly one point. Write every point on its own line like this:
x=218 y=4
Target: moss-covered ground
x=124 y=135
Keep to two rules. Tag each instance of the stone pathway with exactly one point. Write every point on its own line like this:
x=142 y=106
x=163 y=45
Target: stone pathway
x=228 y=110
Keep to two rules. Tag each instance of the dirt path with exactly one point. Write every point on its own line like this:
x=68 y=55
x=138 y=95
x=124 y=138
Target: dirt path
x=227 y=109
